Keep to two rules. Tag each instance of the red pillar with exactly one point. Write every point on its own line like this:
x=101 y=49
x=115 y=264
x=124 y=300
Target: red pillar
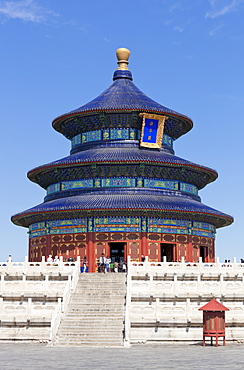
x=48 y=246
x=144 y=249
x=91 y=252
x=191 y=258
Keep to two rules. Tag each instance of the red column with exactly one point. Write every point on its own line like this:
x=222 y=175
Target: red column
x=91 y=252
x=48 y=246
x=144 y=249
x=29 y=251
x=191 y=258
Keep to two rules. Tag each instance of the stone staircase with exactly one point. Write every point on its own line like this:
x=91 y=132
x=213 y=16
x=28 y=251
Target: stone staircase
x=95 y=316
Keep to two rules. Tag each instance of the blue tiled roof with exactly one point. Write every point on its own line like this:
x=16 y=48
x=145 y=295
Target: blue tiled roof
x=134 y=202
x=120 y=155
x=122 y=95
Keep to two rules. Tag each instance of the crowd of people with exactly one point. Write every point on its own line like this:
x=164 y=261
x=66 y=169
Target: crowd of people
x=104 y=264
x=51 y=260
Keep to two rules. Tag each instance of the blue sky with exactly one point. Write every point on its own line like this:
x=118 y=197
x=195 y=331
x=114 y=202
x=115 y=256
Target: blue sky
x=57 y=55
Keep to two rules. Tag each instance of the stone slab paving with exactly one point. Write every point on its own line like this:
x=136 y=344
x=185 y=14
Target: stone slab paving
x=31 y=356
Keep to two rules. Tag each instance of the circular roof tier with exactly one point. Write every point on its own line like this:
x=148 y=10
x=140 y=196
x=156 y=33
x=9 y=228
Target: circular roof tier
x=122 y=96
x=122 y=156
x=95 y=205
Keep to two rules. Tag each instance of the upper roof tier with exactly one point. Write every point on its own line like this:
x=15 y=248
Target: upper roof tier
x=121 y=96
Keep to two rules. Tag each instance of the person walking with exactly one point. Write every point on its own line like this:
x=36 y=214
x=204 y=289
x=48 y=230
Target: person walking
x=107 y=264
x=102 y=262
x=116 y=266
x=85 y=263
x=124 y=267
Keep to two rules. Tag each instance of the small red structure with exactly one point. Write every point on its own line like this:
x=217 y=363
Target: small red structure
x=213 y=321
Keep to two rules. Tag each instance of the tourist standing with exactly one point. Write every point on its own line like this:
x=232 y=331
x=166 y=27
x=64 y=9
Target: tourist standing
x=56 y=260
x=124 y=267
x=9 y=259
x=85 y=263
x=120 y=266
x=107 y=264
x=102 y=262
x=116 y=265
x=50 y=258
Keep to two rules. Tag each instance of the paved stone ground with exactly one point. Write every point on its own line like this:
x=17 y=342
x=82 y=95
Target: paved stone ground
x=31 y=356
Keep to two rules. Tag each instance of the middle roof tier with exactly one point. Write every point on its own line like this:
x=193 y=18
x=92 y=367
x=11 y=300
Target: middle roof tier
x=110 y=162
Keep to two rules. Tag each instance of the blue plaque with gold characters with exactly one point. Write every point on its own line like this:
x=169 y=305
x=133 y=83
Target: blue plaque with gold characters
x=152 y=130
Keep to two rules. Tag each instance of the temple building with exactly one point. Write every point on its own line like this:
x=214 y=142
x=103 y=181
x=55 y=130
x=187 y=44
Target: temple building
x=122 y=191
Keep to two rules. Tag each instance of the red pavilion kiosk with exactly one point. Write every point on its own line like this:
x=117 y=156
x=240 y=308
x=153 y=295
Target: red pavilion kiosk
x=213 y=321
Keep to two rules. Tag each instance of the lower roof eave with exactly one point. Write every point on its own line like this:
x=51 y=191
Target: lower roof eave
x=28 y=218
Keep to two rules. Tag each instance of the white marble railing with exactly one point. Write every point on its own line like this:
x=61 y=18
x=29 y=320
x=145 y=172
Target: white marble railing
x=25 y=279
x=184 y=267
x=170 y=293
x=56 y=318
x=43 y=266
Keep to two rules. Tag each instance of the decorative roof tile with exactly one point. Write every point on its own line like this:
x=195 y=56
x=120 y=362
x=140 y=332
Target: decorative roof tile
x=123 y=155
x=170 y=204
x=123 y=95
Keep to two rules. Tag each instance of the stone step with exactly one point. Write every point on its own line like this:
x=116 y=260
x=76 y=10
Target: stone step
x=86 y=344
x=105 y=313
x=103 y=278
x=107 y=275
x=94 y=323
x=103 y=289
x=95 y=316
x=110 y=320
x=97 y=303
x=96 y=299
x=81 y=297
x=98 y=308
x=98 y=316
x=113 y=284
x=115 y=321
x=95 y=320
x=101 y=282
x=97 y=296
x=90 y=307
x=73 y=324
x=95 y=307
x=92 y=337
x=72 y=318
x=101 y=286
x=90 y=341
x=92 y=332
x=93 y=340
x=108 y=290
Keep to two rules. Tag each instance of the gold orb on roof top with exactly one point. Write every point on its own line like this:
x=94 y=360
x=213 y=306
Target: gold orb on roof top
x=123 y=55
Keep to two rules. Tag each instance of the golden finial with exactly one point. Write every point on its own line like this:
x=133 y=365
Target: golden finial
x=123 y=55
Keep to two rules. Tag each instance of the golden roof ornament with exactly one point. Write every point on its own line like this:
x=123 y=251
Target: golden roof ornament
x=123 y=55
